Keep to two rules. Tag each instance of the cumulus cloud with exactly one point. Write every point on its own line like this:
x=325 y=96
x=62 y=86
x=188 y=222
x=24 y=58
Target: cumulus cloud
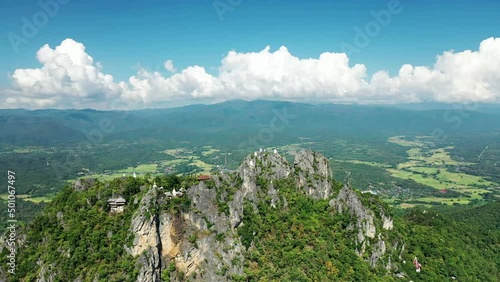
x=468 y=76
x=169 y=66
x=69 y=78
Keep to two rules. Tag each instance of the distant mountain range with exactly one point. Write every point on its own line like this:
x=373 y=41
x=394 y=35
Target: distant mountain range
x=239 y=118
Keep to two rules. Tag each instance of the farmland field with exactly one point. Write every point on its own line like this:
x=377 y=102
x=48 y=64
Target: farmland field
x=433 y=166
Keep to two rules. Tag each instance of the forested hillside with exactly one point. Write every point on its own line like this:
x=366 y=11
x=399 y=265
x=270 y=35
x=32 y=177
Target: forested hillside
x=269 y=220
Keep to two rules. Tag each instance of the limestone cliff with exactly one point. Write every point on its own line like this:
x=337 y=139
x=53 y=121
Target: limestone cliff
x=197 y=243
x=368 y=239
x=314 y=174
x=202 y=243
x=193 y=234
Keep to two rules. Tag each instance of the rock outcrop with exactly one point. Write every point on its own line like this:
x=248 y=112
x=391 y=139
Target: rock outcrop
x=264 y=164
x=84 y=184
x=348 y=201
x=194 y=234
x=147 y=242
x=203 y=242
x=197 y=243
x=368 y=238
x=314 y=174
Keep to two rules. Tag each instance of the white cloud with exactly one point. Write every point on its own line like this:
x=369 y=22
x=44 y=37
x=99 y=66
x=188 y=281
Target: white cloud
x=169 y=66
x=69 y=77
x=468 y=76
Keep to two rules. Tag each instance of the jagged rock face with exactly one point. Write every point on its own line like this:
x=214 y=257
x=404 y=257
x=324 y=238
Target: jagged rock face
x=378 y=250
x=203 y=243
x=387 y=222
x=188 y=240
x=273 y=193
x=313 y=163
x=83 y=184
x=348 y=201
x=312 y=169
x=236 y=209
x=147 y=240
x=261 y=164
x=314 y=174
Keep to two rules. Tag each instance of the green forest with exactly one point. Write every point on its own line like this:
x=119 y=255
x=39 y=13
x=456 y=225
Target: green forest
x=444 y=192
x=302 y=241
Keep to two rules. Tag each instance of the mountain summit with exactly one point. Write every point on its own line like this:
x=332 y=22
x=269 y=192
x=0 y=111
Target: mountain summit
x=226 y=228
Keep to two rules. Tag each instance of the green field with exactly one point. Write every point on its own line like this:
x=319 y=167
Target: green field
x=181 y=155
x=184 y=155
x=29 y=149
x=209 y=150
x=366 y=163
x=25 y=197
x=431 y=166
x=142 y=168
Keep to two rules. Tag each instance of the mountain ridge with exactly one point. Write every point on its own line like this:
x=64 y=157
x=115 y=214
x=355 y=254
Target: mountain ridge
x=203 y=232
x=270 y=219
x=73 y=126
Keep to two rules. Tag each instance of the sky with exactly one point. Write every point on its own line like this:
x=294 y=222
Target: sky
x=164 y=53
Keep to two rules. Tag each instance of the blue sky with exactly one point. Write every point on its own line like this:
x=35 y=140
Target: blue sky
x=125 y=36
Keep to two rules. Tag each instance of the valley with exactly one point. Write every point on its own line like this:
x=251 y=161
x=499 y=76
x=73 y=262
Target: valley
x=422 y=162
x=405 y=173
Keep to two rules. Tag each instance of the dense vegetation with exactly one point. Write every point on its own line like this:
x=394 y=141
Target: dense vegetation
x=454 y=243
x=26 y=211
x=302 y=241
x=78 y=237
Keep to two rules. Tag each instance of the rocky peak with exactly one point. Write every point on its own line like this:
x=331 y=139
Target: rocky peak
x=267 y=164
x=197 y=235
x=312 y=163
x=314 y=174
x=189 y=240
x=83 y=184
x=147 y=242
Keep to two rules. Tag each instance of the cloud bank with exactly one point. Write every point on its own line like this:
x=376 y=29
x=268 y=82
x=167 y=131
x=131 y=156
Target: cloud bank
x=69 y=78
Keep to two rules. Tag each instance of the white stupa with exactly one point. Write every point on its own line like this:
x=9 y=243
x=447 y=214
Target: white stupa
x=175 y=193
x=134 y=175
x=275 y=151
